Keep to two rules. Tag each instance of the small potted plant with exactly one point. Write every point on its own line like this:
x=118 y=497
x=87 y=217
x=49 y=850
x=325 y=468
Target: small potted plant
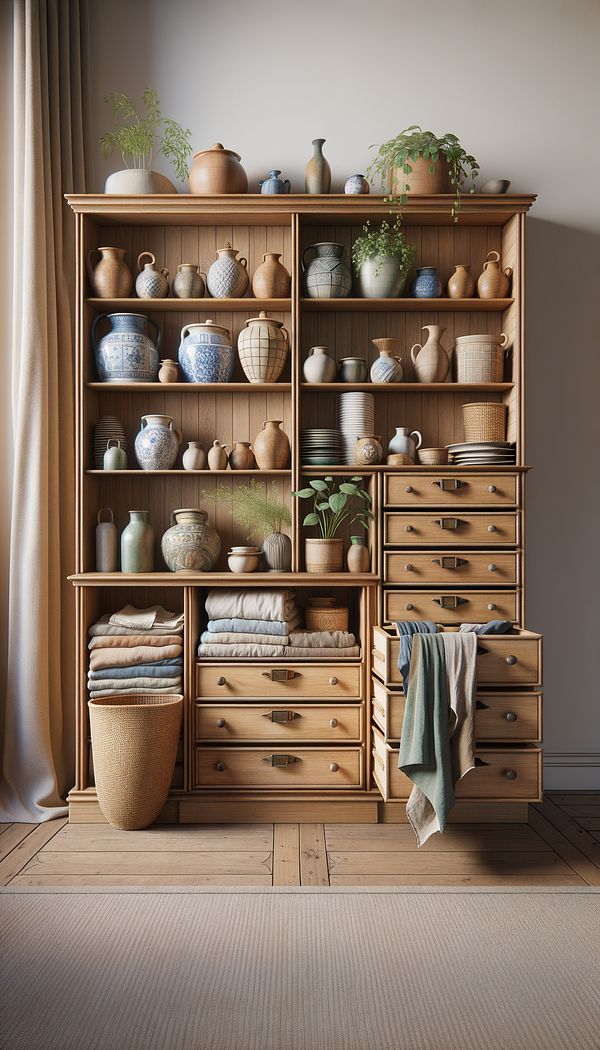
x=417 y=161
x=262 y=514
x=137 y=139
x=333 y=504
x=382 y=258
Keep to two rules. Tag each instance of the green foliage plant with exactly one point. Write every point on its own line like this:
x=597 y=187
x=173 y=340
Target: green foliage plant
x=260 y=512
x=140 y=136
x=333 y=504
x=382 y=242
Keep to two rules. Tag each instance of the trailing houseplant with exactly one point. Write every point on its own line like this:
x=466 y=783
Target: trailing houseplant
x=138 y=138
x=333 y=504
x=382 y=258
x=417 y=161
x=262 y=514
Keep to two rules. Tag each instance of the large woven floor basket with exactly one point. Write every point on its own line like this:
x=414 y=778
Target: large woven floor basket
x=134 y=744
x=485 y=421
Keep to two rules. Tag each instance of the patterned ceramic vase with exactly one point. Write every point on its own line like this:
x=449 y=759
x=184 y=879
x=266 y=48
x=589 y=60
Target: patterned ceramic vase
x=388 y=367
x=356 y=184
x=368 y=450
x=188 y=282
x=137 y=543
x=206 y=353
x=263 y=348
x=277 y=552
x=191 y=544
x=273 y=184
x=157 y=444
x=427 y=284
x=150 y=282
x=327 y=275
x=228 y=276
x=126 y=354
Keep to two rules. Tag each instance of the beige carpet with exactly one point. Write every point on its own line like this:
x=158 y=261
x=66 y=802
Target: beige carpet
x=214 y=969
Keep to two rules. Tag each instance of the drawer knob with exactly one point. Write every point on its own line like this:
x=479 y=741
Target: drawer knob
x=409 y=606
x=491 y=488
x=511 y=660
x=221 y=680
x=408 y=528
x=221 y=723
x=492 y=528
x=334 y=767
x=492 y=567
x=408 y=568
x=491 y=606
x=510 y=716
x=408 y=488
x=510 y=774
x=333 y=680
x=220 y=767
x=333 y=723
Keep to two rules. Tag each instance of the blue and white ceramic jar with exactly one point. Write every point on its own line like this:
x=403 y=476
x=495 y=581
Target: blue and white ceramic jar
x=327 y=275
x=273 y=184
x=126 y=354
x=157 y=444
x=206 y=353
x=427 y=284
x=356 y=184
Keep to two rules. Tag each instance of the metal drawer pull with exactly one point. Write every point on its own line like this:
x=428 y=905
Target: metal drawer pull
x=409 y=528
x=221 y=680
x=510 y=716
x=220 y=767
x=333 y=680
x=280 y=674
x=408 y=488
x=492 y=567
x=282 y=716
x=409 y=606
x=408 y=567
x=510 y=774
x=449 y=601
x=334 y=767
x=449 y=523
x=221 y=723
x=491 y=488
x=333 y=723
x=492 y=606
x=448 y=484
x=450 y=563
x=280 y=760
x=511 y=660
x=492 y=528
x=480 y=706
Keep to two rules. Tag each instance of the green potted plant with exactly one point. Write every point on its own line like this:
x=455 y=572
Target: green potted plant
x=382 y=258
x=333 y=504
x=262 y=514
x=417 y=161
x=137 y=139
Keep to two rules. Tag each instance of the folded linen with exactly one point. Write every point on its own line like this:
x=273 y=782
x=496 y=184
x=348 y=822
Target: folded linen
x=160 y=669
x=235 y=638
x=105 y=629
x=99 y=693
x=322 y=639
x=145 y=685
x=153 y=616
x=251 y=604
x=235 y=625
x=250 y=651
x=104 y=641
x=139 y=654
x=301 y=652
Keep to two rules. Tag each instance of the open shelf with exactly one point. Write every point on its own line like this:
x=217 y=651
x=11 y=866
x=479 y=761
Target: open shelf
x=184 y=473
x=186 y=305
x=422 y=388
x=441 y=305
x=382 y=468
x=231 y=579
x=194 y=388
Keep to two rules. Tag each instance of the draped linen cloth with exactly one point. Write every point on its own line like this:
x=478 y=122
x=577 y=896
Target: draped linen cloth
x=50 y=58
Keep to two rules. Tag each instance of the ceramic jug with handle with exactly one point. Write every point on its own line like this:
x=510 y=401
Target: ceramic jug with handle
x=228 y=276
x=151 y=283
x=403 y=442
x=431 y=360
x=217 y=456
x=494 y=281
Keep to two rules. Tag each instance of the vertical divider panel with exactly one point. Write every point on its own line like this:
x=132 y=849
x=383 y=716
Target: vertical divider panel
x=296 y=372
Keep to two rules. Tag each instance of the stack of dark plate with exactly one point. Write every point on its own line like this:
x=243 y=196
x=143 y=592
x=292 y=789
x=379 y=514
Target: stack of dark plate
x=321 y=448
x=483 y=453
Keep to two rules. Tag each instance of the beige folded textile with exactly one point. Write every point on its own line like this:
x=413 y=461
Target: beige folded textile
x=97 y=694
x=228 y=652
x=105 y=629
x=322 y=639
x=154 y=616
x=142 y=685
x=231 y=638
x=139 y=654
x=323 y=653
x=251 y=604
x=108 y=641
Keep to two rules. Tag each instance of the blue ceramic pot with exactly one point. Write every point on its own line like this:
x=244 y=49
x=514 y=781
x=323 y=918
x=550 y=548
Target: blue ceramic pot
x=427 y=284
x=273 y=184
x=206 y=353
x=126 y=354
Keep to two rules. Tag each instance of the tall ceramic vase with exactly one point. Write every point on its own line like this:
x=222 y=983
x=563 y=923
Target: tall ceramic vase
x=137 y=543
x=317 y=174
x=431 y=360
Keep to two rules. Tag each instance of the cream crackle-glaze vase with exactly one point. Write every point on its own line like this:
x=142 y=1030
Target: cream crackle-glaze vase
x=191 y=544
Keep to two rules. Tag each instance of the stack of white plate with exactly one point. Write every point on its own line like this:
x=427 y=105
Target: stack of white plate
x=356 y=417
x=321 y=447
x=107 y=427
x=480 y=453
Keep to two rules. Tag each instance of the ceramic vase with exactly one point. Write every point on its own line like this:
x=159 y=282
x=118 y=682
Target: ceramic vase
x=191 y=544
x=194 y=457
x=216 y=171
x=157 y=443
x=388 y=366
x=271 y=279
x=494 y=282
x=111 y=277
x=272 y=447
x=137 y=543
x=327 y=275
x=217 y=456
x=427 y=284
x=319 y=367
x=317 y=173
x=368 y=451
x=206 y=353
x=277 y=552
x=188 y=282
x=358 y=558
x=126 y=354
x=241 y=456
x=356 y=184
x=107 y=543
x=431 y=361
x=353 y=370
x=151 y=283
x=115 y=457
x=381 y=277
x=168 y=371
x=403 y=442
x=461 y=284
x=273 y=184
x=227 y=278
x=263 y=348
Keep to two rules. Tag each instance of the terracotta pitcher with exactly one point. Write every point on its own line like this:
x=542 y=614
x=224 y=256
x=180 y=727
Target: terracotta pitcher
x=217 y=456
x=494 y=282
x=431 y=360
x=111 y=277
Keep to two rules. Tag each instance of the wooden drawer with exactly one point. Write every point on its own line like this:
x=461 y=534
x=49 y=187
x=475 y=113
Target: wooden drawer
x=511 y=718
x=254 y=767
x=268 y=681
x=433 y=528
x=503 y=660
x=452 y=568
x=501 y=774
x=453 y=489
x=451 y=606
x=262 y=722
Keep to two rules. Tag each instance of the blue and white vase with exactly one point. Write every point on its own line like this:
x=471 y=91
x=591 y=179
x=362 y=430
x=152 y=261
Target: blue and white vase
x=206 y=353
x=427 y=284
x=273 y=184
x=327 y=275
x=126 y=354
x=356 y=184
x=157 y=444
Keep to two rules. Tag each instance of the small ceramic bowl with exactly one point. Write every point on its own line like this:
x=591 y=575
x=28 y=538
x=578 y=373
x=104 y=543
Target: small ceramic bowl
x=495 y=186
x=240 y=562
x=433 y=456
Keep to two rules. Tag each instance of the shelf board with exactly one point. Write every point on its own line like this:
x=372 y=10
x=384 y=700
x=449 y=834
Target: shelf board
x=183 y=473
x=422 y=388
x=384 y=468
x=210 y=579
x=194 y=388
x=408 y=304
x=251 y=306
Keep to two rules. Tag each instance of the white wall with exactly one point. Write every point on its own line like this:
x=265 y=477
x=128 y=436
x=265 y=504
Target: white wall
x=519 y=83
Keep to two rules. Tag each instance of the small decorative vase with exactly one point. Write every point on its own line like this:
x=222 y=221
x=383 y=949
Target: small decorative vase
x=272 y=447
x=403 y=443
x=353 y=370
x=111 y=277
x=317 y=173
x=271 y=279
x=241 y=456
x=461 y=284
x=191 y=544
x=277 y=552
x=368 y=451
x=319 y=367
x=388 y=367
x=431 y=361
x=168 y=371
x=427 y=284
x=206 y=353
x=115 y=457
x=150 y=282
x=263 y=348
x=228 y=276
x=356 y=184
x=381 y=277
x=217 y=456
x=126 y=354
x=494 y=282
x=107 y=543
x=358 y=558
x=157 y=443
x=188 y=282
x=194 y=457
x=324 y=555
x=327 y=275
x=217 y=170
x=273 y=184
x=137 y=543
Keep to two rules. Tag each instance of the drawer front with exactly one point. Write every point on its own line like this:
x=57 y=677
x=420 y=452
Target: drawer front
x=267 y=681
x=251 y=767
x=315 y=722
x=418 y=529
x=453 y=490
x=452 y=606
x=387 y=710
x=452 y=568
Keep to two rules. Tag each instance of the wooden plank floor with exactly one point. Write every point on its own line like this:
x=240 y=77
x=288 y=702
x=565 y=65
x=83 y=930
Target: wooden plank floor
x=560 y=846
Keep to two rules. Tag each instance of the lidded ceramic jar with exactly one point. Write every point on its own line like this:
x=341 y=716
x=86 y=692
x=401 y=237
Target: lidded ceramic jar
x=273 y=184
x=272 y=447
x=126 y=354
x=228 y=276
x=319 y=367
x=427 y=284
x=151 y=283
x=327 y=275
x=217 y=170
x=388 y=367
x=188 y=282
x=206 y=353
x=271 y=279
x=111 y=277
x=157 y=443
x=263 y=348
x=191 y=544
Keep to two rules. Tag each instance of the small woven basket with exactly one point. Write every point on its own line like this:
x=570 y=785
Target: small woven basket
x=324 y=615
x=485 y=421
x=134 y=746
x=433 y=456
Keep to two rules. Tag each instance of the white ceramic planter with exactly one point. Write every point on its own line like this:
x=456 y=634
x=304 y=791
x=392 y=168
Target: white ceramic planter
x=381 y=278
x=138 y=181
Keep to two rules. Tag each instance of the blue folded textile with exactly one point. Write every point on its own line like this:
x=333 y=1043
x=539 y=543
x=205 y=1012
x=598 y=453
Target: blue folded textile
x=160 y=669
x=407 y=630
x=236 y=625
x=491 y=627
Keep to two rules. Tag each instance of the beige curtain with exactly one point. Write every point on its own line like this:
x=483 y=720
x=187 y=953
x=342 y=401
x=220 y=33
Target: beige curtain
x=50 y=60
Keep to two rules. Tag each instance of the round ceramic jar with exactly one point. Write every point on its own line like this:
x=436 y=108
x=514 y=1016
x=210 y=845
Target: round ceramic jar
x=243 y=559
x=206 y=353
x=217 y=170
x=263 y=348
x=188 y=282
x=356 y=184
x=227 y=278
x=327 y=275
x=126 y=354
x=368 y=450
x=157 y=443
x=353 y=370
x=427 y=284
x=191 y=544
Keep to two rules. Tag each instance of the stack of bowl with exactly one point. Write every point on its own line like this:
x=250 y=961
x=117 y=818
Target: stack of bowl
x=321 y=447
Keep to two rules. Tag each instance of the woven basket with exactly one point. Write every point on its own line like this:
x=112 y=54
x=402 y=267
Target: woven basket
x=326 y=616
x=480 y=358
x=433 y=456
x=485 y=421
x=324 y=555
x=134 y=746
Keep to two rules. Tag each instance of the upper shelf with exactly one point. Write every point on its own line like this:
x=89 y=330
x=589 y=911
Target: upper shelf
x=206 y=305
x=408 y=304
x=190 y=388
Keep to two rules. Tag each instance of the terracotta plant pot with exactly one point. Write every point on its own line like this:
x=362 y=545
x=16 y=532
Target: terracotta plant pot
x=217 y=170
x=324 y=555
x=420 y=179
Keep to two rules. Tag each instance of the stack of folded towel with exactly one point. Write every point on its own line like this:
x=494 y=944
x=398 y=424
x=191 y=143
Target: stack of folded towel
x=136 y=651
x=266 y=623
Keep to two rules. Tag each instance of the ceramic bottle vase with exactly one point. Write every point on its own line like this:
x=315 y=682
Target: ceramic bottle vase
x=317 y=174
x=137 y=543
x=111 y=277
x=107 y=543
x=271 y=279
x=188 y=282
x=431 y=360
x=277 y=552
x=272 y=447
x=228 y=276
x=461 y=284
x=319 y=367
x=194 y=457
x=217 y=456
x=358 y=558
x=494 y=282
x=191 y=544
x=388 y=367
x=151 y=283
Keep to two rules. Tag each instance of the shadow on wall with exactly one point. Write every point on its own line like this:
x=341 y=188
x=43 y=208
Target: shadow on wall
x=563 y=489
